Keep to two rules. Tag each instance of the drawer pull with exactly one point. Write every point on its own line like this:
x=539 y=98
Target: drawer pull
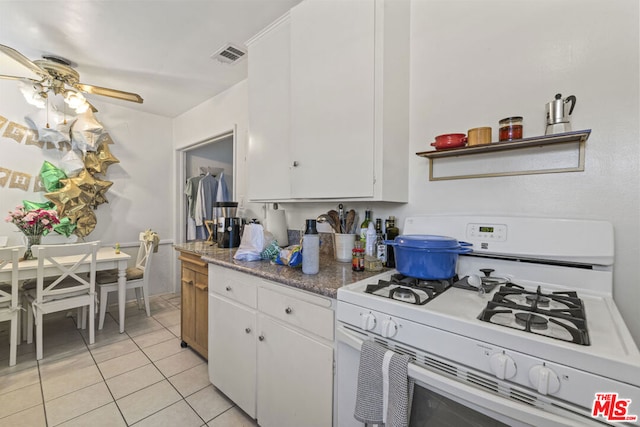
x=248 y=330
x=261 y=337
x=228 y=288
x=288 y=310
x=202 y=287
x=189 y=282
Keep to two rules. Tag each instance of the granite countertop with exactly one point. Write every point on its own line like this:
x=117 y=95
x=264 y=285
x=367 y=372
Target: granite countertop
x=332 y=276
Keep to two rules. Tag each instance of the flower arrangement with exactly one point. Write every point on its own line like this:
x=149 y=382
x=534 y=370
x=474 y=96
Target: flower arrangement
x=36 y=222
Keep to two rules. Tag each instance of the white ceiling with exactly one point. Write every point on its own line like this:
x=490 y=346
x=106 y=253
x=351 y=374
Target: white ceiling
x=160 y=49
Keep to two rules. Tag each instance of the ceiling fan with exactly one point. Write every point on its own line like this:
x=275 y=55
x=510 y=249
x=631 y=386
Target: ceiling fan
x=57 y=75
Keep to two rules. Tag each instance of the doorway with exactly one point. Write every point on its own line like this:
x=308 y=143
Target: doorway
x=213 y=155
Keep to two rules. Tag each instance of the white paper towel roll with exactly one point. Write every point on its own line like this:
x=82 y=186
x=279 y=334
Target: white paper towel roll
x=277 y=225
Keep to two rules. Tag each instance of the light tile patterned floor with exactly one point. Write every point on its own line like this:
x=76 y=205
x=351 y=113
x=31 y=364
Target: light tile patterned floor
x=140 y=378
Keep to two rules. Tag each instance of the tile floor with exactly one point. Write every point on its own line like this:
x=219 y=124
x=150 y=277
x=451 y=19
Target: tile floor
x=139 y=378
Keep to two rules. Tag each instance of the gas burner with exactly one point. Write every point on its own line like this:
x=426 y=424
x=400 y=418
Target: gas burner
x=409 y=289
x=532 y=321
x=539 y=300
x=404 y=294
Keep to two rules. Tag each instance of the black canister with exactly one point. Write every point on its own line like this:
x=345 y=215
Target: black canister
x=229 y=235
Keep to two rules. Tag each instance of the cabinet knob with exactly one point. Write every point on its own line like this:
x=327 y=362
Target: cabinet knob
x=288 y=310
x=228 y=288
x=248 y=330
x=295 y=163
x=261 y=337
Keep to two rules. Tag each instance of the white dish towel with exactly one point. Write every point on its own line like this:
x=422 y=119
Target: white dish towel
x=384 y=388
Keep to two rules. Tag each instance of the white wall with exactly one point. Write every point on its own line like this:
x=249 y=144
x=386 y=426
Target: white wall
x=511 y=58
x=140 y=196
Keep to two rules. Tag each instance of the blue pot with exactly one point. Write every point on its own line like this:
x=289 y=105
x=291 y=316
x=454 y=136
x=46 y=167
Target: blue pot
x=426 y=256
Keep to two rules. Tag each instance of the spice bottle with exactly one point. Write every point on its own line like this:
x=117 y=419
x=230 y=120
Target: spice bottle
x=357 y=257
x=311 y=249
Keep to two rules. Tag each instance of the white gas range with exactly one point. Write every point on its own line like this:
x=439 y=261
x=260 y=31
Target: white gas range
x=568 y=348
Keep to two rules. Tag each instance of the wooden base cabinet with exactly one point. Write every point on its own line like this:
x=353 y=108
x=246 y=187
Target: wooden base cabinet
x=194 y=326
x=271 y=349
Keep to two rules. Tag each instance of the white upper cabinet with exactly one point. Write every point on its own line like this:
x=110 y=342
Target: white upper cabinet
x=347 y=120
x=332 y=97
x=269 y=113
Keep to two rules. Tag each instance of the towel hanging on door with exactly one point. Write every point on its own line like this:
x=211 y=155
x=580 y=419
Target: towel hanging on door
x=384 y=388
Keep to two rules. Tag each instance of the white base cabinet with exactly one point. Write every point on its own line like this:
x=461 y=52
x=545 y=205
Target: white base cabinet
x=233 y=338
x=271 y=349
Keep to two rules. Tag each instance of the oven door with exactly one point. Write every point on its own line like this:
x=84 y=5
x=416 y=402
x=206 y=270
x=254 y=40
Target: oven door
x=440 y=400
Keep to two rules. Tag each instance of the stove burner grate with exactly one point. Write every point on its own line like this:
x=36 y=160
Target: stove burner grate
x=531 y=321
x=534 y=314
x=409 y=289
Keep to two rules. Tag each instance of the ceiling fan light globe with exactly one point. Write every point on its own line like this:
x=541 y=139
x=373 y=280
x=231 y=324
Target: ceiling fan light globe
x=74 y=99
x=82 y=108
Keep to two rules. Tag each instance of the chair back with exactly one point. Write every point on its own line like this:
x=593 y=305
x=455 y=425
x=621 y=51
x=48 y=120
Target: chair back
x=145 y=253
x=65 y=263
x=9 y=260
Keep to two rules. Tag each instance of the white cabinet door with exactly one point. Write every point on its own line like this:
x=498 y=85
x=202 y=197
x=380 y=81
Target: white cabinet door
x=232 y=358
x=269 y=114
x=332 y=99
x=295 y=378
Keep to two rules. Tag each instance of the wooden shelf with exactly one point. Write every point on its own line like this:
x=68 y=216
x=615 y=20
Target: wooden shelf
x=574 y=142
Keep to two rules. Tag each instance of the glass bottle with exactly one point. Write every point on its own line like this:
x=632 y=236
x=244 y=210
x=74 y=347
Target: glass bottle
x=392 y=232
x=371 y=262
x=381 y=248
x=364 y=226
x=311 y=249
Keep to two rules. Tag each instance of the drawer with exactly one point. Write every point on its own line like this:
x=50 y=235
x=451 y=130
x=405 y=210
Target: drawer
x=236 y=286
x=194 y=262
x=306 y=315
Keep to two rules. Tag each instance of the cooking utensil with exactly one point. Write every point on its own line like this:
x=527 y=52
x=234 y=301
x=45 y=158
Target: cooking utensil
x=450 y=140
x=558 y=112
x=351 y=216
x=427 y=257
x=343 y=219
x=335 y=218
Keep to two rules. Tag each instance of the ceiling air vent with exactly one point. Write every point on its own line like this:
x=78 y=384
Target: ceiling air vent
x=229 y=54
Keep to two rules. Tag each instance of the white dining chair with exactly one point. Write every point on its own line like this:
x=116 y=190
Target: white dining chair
x=9 y=307
x=71 y=288
x=137 y=278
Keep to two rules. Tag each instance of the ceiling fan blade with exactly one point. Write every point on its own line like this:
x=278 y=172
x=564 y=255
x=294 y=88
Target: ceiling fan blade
x=113 y=93
x=3 y=76
x=23 y=60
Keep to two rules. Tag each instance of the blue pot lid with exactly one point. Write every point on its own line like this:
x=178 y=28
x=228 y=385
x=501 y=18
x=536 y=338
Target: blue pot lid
x=426 y=241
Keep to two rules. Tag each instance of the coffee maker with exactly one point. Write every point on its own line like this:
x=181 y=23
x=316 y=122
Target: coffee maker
x=227 y=230
x=558 y=113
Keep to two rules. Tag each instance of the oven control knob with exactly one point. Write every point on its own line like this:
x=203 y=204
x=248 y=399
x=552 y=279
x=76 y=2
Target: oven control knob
x=502 y=366
x=389 y=328
x=544 y=379
x=367 y=321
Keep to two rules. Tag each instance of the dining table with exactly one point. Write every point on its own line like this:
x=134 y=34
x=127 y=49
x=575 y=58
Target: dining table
x=107 y=258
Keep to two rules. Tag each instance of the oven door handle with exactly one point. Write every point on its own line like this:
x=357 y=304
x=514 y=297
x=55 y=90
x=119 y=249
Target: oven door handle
x=474 y=396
